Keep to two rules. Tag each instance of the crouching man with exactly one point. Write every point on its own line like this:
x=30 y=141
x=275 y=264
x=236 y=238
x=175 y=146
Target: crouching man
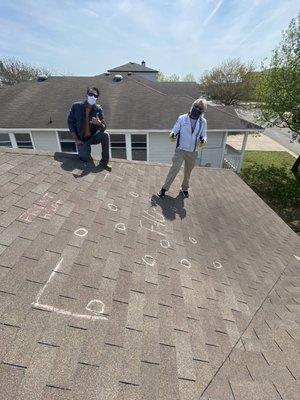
x=189 y=132
x=87 y=127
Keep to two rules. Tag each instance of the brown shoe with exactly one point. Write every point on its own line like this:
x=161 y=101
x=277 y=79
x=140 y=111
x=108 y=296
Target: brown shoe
x=105 y=165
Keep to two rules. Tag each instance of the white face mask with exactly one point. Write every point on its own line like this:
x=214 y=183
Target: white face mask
x=91 y=100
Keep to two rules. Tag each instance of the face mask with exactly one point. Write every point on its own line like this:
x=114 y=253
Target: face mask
x=91 y=100
x=195 y=112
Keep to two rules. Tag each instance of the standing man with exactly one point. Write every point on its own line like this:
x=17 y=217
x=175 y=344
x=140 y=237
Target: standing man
x=87 y=127
x=189 y=131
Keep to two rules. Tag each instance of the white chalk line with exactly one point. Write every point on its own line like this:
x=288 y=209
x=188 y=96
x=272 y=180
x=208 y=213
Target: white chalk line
x=84 y=232
x=192 y=240
x=112 y=207
x=185 y=263
x=59 y=310
x=151 y=263
x=120 y=226
x=133 y=194
x=297 y=257
x=165 y=243
x=217 y=264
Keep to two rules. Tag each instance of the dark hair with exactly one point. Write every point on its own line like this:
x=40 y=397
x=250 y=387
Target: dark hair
x=94 y=88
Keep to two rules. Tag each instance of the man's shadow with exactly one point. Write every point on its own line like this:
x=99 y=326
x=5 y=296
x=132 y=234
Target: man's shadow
x=71 y=162
x=170 y=206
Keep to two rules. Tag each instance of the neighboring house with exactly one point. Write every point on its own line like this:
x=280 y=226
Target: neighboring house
x=135 y=69
x=139 y=113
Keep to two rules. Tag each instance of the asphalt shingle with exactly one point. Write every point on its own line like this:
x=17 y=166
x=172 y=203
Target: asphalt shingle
x=117 y=296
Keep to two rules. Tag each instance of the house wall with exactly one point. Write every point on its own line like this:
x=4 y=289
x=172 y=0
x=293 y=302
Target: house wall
x=152 y=76
x=162 y=150
x=45 y=140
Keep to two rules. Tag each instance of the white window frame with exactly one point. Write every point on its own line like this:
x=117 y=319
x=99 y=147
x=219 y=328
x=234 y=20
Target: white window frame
x=118 y=133
x=9 y=136
x=59 y=144
x=147 y=143
x=14 y=140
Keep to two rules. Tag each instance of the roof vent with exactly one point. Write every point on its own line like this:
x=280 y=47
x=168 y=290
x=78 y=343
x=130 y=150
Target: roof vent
x=118 y=78
x=42 y=78
x=143 y=63
x=107 y=73
x=129 y=73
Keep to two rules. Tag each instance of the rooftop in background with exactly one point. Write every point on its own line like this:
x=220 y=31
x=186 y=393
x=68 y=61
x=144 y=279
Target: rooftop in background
x=108 y=292
x=133 y=103
x=132 y=67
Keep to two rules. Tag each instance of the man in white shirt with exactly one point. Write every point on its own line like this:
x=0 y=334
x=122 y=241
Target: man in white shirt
x=189 y=131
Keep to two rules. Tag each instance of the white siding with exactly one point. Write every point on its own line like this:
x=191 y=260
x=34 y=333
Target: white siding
x=45 y=140
x=162 y=150
x=160 y=147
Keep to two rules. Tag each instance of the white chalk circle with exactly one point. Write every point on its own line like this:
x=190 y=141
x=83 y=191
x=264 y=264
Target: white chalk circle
x=192 y=240
x=165 y=243
x=185 y=263
x=149 y=260
x=120 y=226
x=217 y=264
x=112 y=207
x=297 y=257
x=133 y=194
x=81 y=232
x=95 y=307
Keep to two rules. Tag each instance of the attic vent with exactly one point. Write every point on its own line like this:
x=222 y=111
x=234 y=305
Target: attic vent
x=129 y=73
x=118 y=78
x=42 y=78
x=107 y=73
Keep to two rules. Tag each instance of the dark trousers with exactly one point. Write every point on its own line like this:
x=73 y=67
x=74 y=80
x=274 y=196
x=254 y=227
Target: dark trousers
x=84 y=150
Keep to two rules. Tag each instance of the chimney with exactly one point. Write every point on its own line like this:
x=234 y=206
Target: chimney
x=143 y=63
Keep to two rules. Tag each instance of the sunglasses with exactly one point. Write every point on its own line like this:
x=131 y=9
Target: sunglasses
x=93 y=94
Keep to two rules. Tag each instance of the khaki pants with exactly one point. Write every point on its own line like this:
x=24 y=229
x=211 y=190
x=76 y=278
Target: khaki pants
x=189 y=159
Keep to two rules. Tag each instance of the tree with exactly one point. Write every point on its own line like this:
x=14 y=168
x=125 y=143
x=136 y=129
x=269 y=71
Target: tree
x=278 y=87
x=165 y=78
x=189 y=78
x=13 y=71
x=230 y=83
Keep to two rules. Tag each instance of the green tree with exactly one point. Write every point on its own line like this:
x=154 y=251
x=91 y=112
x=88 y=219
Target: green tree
x=14 y=71
x=230 y=83
x=278 y=88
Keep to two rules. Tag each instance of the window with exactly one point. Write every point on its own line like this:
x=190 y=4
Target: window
x=5 y=140
x=67 y=143
x=23 y=140
x=139 y=147
x=118 y=146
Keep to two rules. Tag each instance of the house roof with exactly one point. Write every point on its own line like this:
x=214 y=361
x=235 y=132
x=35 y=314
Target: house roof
x=107 y=292
x=130 y=104
x=132 y=67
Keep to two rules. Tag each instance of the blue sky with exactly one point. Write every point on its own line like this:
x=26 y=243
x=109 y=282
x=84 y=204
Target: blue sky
x=87 y=37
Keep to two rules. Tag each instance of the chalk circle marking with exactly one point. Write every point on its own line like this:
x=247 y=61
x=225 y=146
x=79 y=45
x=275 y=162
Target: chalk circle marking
x=165 y=243
x=149 y=260
x=192 y=240
x=81 y=232
x=133 y=194
x=95 y=307
x=217 y=264
x=185 y=263
x=120 y=226
x=112 y=207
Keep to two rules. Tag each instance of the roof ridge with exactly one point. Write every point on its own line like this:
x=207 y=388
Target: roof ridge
x=234 y=116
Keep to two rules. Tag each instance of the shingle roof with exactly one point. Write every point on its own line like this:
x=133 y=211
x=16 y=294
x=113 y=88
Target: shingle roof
x=132 y=67
x=130 y=104
x=200 y=295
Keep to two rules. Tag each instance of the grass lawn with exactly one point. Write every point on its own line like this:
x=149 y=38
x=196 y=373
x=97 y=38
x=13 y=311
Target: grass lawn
x=269 y=174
